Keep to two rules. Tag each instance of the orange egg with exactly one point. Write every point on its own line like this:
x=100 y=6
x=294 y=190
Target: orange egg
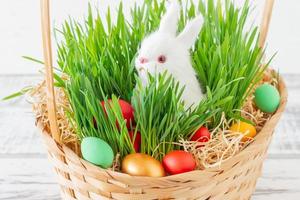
x=246 y=129
x=139 y=164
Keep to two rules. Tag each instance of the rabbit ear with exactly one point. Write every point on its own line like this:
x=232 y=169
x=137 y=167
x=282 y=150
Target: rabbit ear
x=168 y=23
x=191 y=31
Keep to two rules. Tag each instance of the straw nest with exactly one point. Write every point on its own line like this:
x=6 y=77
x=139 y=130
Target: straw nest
x=224 y=144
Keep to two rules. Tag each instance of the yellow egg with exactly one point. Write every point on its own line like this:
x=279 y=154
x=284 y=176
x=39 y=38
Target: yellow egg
x=246 y=129
x=139 y=164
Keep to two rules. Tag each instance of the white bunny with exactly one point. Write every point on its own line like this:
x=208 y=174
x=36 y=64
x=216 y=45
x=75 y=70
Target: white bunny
x=165 y=50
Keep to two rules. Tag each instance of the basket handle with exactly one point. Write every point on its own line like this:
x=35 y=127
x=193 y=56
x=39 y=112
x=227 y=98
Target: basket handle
x=51 y=104
x=265 y=22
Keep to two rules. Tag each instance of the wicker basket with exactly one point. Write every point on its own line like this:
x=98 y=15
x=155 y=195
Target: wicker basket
x=235 y=179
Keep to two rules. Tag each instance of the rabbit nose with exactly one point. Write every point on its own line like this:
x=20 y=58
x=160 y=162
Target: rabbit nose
x=143 y=60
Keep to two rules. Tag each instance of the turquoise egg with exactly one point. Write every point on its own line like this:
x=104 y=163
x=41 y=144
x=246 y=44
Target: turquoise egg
x=97 y=151
x=267 y=98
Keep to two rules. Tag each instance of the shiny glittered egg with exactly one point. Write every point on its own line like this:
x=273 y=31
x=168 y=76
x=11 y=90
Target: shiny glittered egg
x=97 y=151
x=267 y=98
x=139 y=164
x=178 y=161
x=248 y=130
x=126 y=109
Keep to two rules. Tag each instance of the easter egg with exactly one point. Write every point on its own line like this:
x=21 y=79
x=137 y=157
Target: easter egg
x=135 y=139
x=178 y=161
x=127 y=112
x=97 y=151
x=139 y=164
x=267 y=98
x=201 y=135
x=126 y=109
x=246 y=129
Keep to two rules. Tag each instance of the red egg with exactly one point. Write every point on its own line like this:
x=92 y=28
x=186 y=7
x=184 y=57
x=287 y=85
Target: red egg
x=137 y=140
x=178 y=161
x=126 y=109
x=201 y=135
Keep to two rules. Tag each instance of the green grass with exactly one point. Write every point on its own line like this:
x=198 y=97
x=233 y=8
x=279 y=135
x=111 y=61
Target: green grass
x=228 y=54
x=103 y=57
x=162 y=118
x=99 y=61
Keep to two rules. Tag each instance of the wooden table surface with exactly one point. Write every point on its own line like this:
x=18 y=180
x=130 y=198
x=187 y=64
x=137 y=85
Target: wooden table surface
x=26 y=174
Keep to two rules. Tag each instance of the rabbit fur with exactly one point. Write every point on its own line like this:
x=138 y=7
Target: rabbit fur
x=165 y=50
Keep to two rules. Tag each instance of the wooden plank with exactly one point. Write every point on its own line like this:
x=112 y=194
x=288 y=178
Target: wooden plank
x=18 y=132
x=27 y=179
x=280 y=179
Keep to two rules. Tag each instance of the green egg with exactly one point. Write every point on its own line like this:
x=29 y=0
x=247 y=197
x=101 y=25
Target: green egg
x=267 y=98
x=97 y=151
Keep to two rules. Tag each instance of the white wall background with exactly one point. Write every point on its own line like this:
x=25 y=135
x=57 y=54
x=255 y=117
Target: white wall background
x=20 y=30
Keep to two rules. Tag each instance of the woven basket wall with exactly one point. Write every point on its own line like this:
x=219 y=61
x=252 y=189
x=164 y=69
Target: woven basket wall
x=235 y=179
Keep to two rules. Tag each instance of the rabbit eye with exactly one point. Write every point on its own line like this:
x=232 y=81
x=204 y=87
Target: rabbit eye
x=162 y=59
x=143 y=60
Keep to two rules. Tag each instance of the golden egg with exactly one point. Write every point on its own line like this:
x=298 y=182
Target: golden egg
x=139 y=164
x=246 y=129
